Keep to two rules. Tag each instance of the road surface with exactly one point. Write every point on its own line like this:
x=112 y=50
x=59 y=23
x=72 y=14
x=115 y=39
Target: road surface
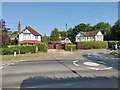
x=63 y=70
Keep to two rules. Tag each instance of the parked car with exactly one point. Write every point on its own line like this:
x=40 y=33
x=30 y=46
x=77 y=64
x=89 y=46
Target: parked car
x=116 y=47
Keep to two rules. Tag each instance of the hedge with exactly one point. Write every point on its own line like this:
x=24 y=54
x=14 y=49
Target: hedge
x=71 y=47
x=23 y=50
x=42 y=47
x=92 y=44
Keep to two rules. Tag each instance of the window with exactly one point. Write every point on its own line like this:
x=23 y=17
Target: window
x=98 y=37
x=36 y=37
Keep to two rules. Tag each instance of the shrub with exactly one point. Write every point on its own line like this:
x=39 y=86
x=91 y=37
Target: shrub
x=42 y=47
x=23 y=50
x=9 y=51
x=71 y=47
x=92 y=44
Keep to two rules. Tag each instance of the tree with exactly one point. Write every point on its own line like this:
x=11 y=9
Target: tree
x=45 y=39
x=72 y=32
x=55 y=35
x=115 y=31
x=5 y=33
x=63 y=33
x=104 y=28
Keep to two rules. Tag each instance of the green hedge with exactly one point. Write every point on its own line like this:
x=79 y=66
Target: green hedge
x=92 y=44
x=42 y=47
x=23 y=50
x=71 y=47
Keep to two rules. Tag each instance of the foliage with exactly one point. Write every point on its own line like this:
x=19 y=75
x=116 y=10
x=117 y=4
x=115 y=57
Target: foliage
x=55 y=35
x=71 y=47
x=115 y=31
x=23 y=50
x=104 y=28
x=45 y=39
x=5 y=34
x=63 y=33
x=81 y=27
x=42 y=47
x=92 y=44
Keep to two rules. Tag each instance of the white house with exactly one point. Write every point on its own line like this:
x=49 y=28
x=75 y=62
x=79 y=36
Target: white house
x=28 y=36
x=65 y=40
x=89 y=36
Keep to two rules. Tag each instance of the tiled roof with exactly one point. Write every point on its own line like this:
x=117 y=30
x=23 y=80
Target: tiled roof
x=32 y=31
x=91 y=33
x=29 y=41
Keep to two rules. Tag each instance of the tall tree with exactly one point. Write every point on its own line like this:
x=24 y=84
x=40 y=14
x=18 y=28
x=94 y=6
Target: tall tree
x=79 y=28
x=63 y=33
x=5 y=33
x=115 y=31
x=55 y=35
x=104 y=28
x=45 y=38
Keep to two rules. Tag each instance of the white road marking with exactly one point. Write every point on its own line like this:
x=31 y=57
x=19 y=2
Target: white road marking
x=91 y=64
x=101 y=62
x=99 y=68
x=93 y=68
x=1 y=67
x=89 y=55
x=12 y=63
x=74 y=62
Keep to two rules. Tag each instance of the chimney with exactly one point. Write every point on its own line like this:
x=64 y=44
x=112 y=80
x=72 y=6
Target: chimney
x=19 y=26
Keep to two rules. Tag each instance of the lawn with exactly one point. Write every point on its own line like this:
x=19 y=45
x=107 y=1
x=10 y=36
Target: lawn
x=24 y=56
x=116 y=52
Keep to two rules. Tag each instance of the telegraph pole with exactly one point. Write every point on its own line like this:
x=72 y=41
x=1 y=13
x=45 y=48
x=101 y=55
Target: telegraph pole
x=66 y=37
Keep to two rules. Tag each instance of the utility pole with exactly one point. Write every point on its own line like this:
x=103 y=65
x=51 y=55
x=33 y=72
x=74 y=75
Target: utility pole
x=66 y=37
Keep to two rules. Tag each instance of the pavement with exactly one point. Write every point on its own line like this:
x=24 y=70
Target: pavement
x=63 y=70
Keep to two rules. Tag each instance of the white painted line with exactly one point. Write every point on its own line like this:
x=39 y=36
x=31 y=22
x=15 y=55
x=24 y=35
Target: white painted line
x=108 y=68
x=89 y=55
x=3 y=64
x=93 y=68
x=1 y=67
x=12 y=63
x=91 y=64
x=74 y=62
x=101 y=62
x=99 y=68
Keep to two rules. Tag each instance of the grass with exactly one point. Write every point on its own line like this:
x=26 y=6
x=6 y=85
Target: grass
x=116 y=52
x=24 y=56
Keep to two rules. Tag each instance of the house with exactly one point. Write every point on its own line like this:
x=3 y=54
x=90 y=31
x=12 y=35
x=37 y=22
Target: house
x=89 y=36
x=28 y=36
x=65 y=40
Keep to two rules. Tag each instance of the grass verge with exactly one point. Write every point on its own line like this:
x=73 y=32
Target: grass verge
x=25 y=56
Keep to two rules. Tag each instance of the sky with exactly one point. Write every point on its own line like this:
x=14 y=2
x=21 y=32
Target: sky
x=45 y=16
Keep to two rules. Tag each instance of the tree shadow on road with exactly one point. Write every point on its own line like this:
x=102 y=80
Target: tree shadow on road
x=69 y=82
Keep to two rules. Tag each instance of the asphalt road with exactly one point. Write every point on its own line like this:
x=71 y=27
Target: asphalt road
x=60 y=73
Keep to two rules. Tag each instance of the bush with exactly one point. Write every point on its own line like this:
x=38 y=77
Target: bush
x=23 y=50
x=92 y=44
x=71 y=47
x=9 y=51
x=42 y=47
